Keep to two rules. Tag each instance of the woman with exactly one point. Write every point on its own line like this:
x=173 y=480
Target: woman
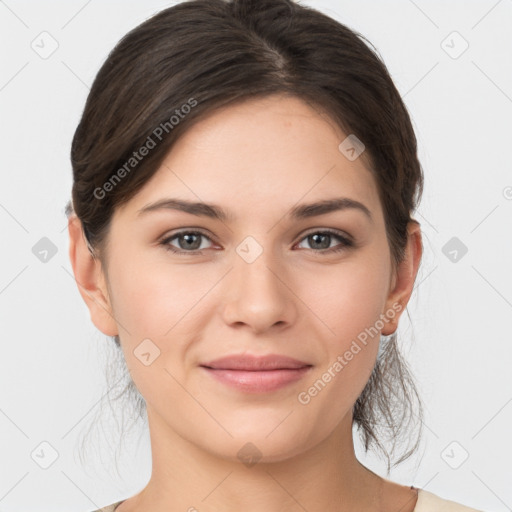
x=252 y=131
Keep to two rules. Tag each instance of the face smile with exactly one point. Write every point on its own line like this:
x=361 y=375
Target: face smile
x=258 y=239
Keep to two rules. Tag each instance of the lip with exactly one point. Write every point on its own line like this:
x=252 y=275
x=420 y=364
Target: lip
x=253 y=374
x=263 y=381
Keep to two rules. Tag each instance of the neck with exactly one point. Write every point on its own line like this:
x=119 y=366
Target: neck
x=328 y=476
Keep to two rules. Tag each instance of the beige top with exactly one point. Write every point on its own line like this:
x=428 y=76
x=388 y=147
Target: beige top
x=427 y=502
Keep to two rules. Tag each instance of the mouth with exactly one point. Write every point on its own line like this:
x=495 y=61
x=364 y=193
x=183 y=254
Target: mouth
x=252 y=374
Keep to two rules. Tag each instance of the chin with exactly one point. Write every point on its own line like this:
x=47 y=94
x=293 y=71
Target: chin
x=256 y=446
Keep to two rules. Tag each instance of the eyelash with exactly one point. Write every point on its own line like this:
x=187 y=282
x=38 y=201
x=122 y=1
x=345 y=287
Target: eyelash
x=346 y=243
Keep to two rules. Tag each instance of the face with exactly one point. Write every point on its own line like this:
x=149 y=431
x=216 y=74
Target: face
x=268 y=278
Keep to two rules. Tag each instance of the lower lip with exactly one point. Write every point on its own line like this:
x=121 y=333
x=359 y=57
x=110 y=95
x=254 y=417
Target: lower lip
x=258 y=381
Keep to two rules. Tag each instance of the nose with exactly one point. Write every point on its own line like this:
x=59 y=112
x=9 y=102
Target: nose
x=258 y=295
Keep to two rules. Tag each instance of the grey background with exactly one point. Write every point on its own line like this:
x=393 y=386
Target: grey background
x=458 y=343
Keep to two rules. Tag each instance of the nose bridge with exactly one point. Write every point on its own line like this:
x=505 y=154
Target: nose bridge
x=260 y=298
x=256 y=267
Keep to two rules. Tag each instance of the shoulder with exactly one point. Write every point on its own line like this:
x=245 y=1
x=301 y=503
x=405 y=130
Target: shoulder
x=429 y=502
x=109 y=508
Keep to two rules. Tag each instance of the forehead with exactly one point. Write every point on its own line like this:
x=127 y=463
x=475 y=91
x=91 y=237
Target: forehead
x=265 y=155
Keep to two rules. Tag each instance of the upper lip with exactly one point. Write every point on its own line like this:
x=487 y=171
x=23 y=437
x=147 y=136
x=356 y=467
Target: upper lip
x=255 y=363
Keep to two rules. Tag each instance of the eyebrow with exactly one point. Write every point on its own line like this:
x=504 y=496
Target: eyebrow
x=213 y=211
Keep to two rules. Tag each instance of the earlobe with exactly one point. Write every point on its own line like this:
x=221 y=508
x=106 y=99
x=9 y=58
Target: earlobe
x=89 y=277
x=404 y=278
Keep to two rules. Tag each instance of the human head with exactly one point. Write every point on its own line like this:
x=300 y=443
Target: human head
x=194 y=59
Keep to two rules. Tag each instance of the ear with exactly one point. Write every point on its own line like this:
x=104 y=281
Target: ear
x=403 y=279
x=90 y=279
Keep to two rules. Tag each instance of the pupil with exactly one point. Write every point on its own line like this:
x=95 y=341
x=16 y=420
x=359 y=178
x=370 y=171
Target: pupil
x=316 y=236
x=188 y=237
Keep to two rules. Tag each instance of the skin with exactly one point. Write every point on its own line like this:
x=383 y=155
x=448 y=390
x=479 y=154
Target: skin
x=257 y=159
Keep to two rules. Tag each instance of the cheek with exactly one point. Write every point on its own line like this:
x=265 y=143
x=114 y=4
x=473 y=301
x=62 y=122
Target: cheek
x=153 y=298
x=348 y=297
x=352 y=302
x=164 y=304
x=157 y=308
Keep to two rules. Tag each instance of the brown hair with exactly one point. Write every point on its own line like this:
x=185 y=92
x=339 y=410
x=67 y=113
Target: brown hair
x=200 y=55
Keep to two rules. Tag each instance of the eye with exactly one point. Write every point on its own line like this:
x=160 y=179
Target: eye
x=190 y=242
x=322 y=240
